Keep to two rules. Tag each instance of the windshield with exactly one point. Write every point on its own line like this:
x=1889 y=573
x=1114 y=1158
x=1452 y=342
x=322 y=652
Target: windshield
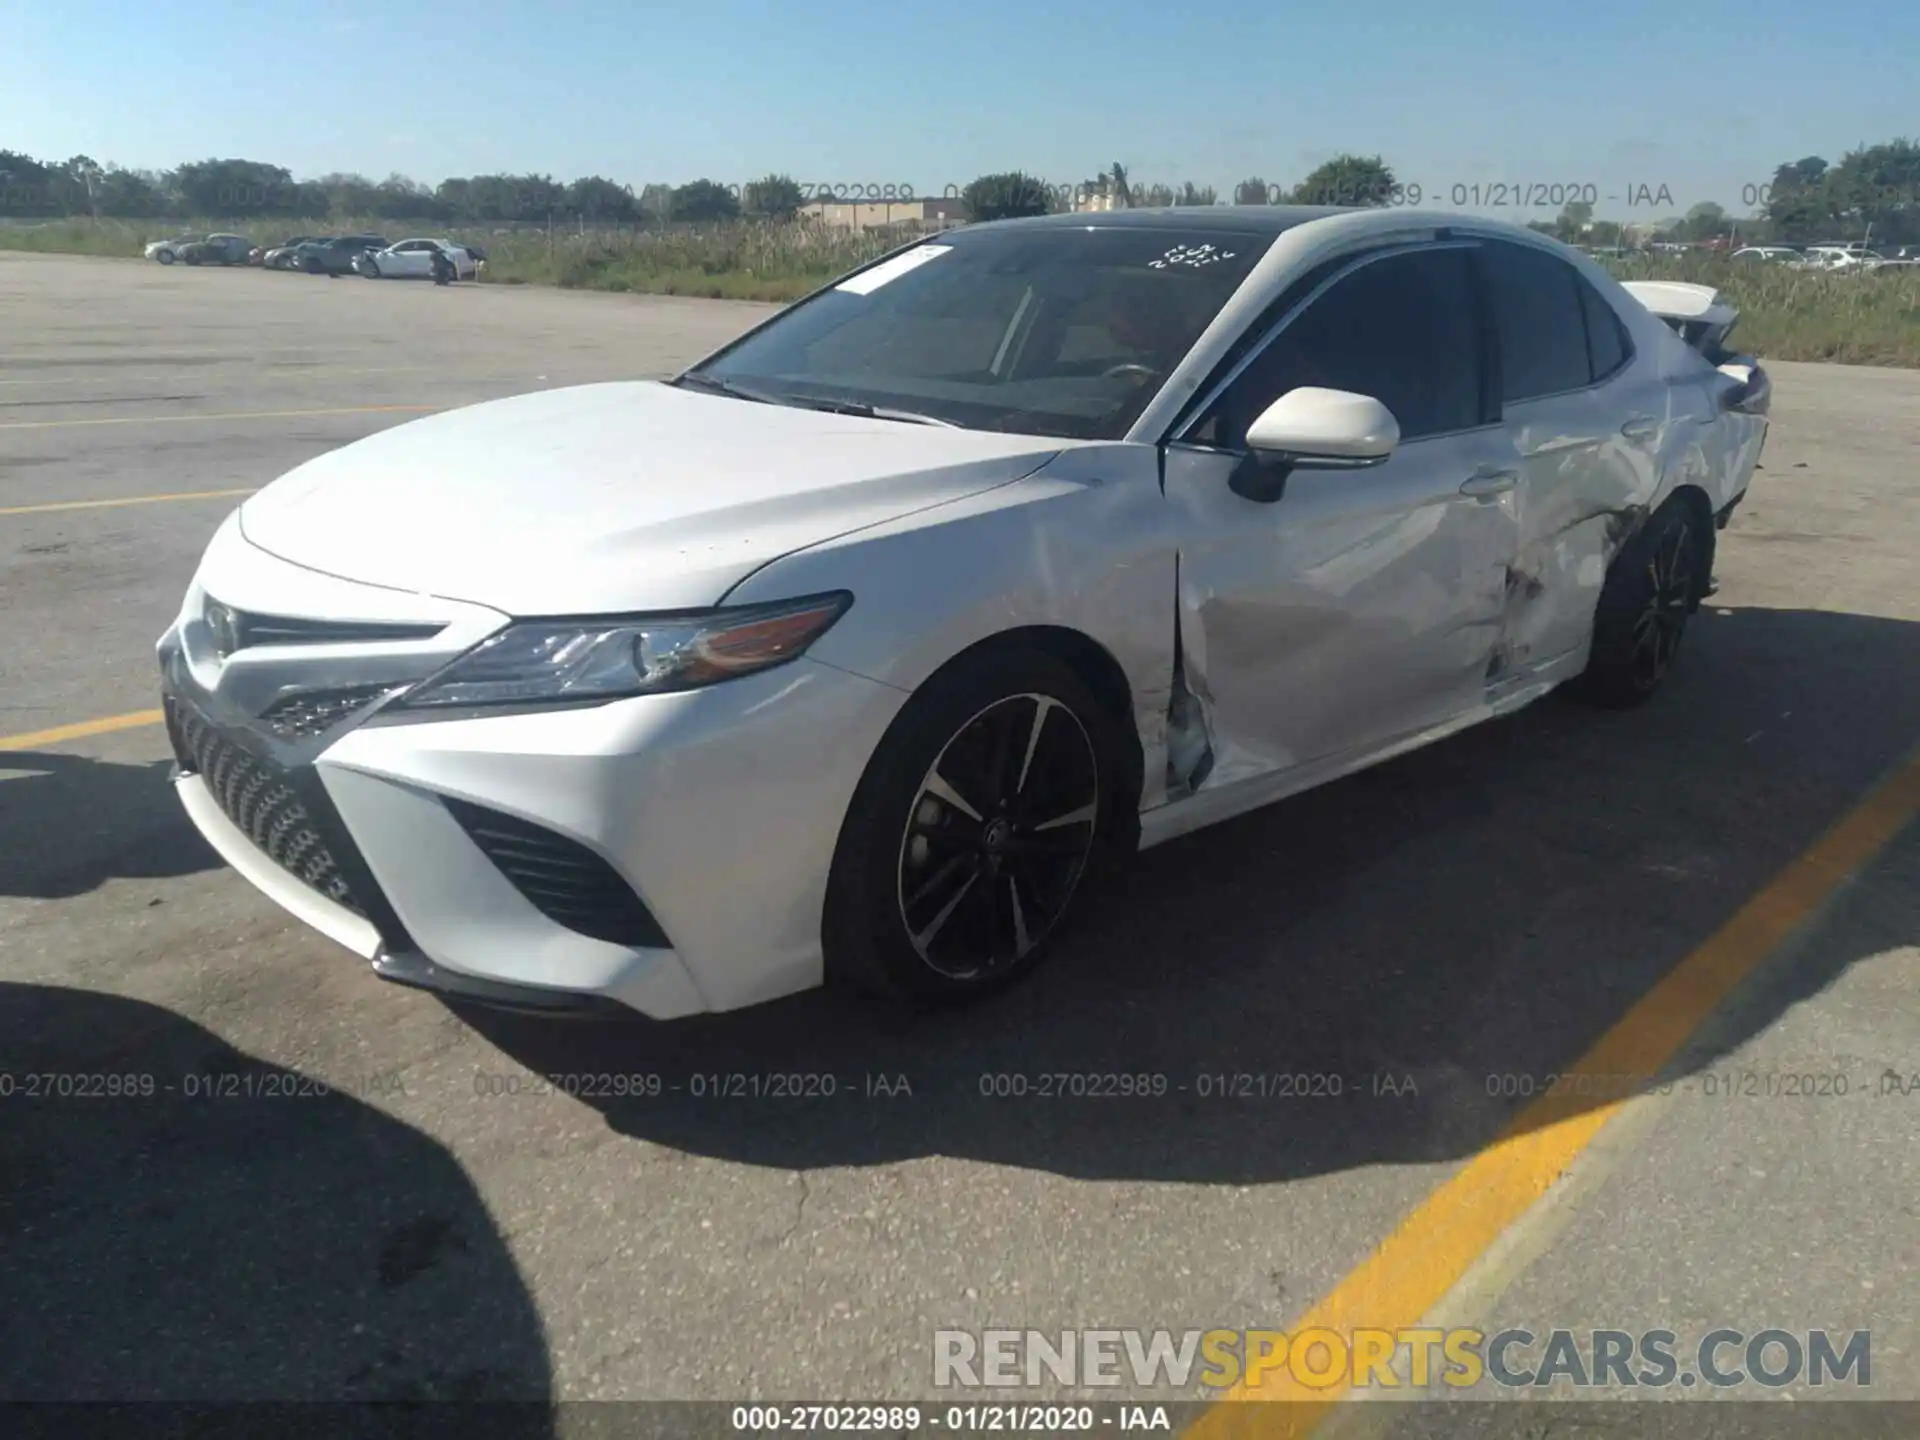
x=1042 y=330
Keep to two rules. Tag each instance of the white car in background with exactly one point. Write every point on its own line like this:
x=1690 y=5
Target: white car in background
x=413 y=260
x=167 y=251
x=1835 y=257
x=870 y=646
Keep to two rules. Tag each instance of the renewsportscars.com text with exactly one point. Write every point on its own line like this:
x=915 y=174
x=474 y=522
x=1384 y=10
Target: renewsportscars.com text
x=1395 y=1358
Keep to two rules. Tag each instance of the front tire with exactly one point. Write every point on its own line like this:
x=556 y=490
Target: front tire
x=1653 y=586
x=165 y=257
x=369 y=269
x=1000 y=800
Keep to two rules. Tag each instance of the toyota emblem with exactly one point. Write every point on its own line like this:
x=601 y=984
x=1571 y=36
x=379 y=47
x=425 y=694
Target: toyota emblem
x=224 y=626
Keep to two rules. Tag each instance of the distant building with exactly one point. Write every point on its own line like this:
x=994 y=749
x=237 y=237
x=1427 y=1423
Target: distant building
x=886 y=214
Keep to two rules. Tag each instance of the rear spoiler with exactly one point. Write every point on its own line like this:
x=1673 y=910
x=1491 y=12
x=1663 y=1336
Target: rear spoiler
x=1699 y=316
x=1696 y=313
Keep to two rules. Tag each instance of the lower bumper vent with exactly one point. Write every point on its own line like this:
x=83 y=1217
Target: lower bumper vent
x=262 y=800
x=561 y=878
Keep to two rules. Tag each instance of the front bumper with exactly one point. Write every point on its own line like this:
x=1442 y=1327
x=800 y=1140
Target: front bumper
x=718 y=809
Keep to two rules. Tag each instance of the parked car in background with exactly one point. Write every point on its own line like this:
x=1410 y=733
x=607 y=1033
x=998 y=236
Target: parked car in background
x=280 y=257
x=335 y=254
x=167 y=251
x=413 y=260
x=871 y=645
x=1833 y=257
x=1773 y=253
x=216 y=250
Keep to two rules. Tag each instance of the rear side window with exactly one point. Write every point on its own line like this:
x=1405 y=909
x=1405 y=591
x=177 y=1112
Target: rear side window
x=1607 y=347
x=1538 y=316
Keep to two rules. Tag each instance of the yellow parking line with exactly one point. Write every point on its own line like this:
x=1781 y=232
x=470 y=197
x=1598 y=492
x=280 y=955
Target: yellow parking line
x=122 y=500
x=1401 y=1282
x=79 y=730
x=223 y=415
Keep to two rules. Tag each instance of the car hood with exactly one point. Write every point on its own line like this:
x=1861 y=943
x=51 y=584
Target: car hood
x=613 y=497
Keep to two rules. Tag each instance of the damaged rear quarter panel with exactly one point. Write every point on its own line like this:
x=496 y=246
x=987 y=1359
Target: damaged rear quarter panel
x=1592 y=478
x=1586 y=488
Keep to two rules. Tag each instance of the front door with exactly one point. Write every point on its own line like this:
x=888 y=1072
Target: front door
x=1362 y=606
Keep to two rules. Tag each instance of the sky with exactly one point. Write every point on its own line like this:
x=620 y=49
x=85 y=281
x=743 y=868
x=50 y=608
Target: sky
x=1701 y=99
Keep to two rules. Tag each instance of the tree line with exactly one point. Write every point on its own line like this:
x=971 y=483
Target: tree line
x=1871 y=192
x=253 y=189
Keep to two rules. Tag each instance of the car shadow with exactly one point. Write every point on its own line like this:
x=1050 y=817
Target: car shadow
x=1433 y=939
x=69 y=823
x=232 y=1231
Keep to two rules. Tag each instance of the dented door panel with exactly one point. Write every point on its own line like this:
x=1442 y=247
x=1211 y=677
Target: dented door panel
x=1362 y=605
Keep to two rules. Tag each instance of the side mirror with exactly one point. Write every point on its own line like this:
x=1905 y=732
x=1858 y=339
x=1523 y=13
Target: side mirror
x=1313 y=428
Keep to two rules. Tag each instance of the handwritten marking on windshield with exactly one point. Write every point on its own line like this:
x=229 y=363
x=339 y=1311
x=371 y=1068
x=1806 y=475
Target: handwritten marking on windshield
x=1192 y=256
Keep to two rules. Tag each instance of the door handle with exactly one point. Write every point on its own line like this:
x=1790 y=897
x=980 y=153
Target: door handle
x=1484 y=483
x=1640 y=427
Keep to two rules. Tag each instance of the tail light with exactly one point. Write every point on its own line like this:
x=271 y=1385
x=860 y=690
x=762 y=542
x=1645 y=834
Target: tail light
x=1751 y=392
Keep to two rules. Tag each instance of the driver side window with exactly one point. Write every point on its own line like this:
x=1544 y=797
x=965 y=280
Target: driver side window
x=1403 y=329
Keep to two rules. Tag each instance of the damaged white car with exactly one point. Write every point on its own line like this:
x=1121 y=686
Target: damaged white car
x=865 y=648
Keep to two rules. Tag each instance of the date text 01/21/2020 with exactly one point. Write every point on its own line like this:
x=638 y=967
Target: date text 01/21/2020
x=1478 y=194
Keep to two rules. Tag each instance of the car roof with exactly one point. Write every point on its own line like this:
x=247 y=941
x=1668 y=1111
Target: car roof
x=1236 y=219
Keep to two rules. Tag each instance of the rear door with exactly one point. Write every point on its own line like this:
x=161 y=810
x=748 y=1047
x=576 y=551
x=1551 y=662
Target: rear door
x=1585 y=424
x=1361 y=606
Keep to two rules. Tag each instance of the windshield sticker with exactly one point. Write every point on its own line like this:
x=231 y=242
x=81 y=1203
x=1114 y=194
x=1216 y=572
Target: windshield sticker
x=868 y=281
x=1192 y=256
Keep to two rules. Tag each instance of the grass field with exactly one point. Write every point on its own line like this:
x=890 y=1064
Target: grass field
x=1785 y=314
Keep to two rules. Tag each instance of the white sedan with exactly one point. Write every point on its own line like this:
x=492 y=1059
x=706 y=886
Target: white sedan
x=870 y=646
x=413 y=260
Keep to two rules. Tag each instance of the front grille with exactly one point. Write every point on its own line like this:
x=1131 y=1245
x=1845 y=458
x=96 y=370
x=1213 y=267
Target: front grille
x=260 y=798
x=562 y=879
x=250 y=629
x=314 y=712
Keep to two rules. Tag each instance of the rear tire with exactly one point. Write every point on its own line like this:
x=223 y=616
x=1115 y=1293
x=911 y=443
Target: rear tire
x=999 y=801
x=1653 y=585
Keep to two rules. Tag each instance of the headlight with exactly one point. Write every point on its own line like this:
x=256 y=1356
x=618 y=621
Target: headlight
x=567 y=661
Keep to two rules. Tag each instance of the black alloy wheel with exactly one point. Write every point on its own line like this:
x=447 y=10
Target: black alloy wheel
x=1663 y=618
x=1652 y=587
x=997 y=838
x=1000 y=803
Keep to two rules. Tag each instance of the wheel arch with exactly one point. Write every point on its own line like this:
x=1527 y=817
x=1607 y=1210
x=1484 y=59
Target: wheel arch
x=1093 y=665
x=849 y=885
